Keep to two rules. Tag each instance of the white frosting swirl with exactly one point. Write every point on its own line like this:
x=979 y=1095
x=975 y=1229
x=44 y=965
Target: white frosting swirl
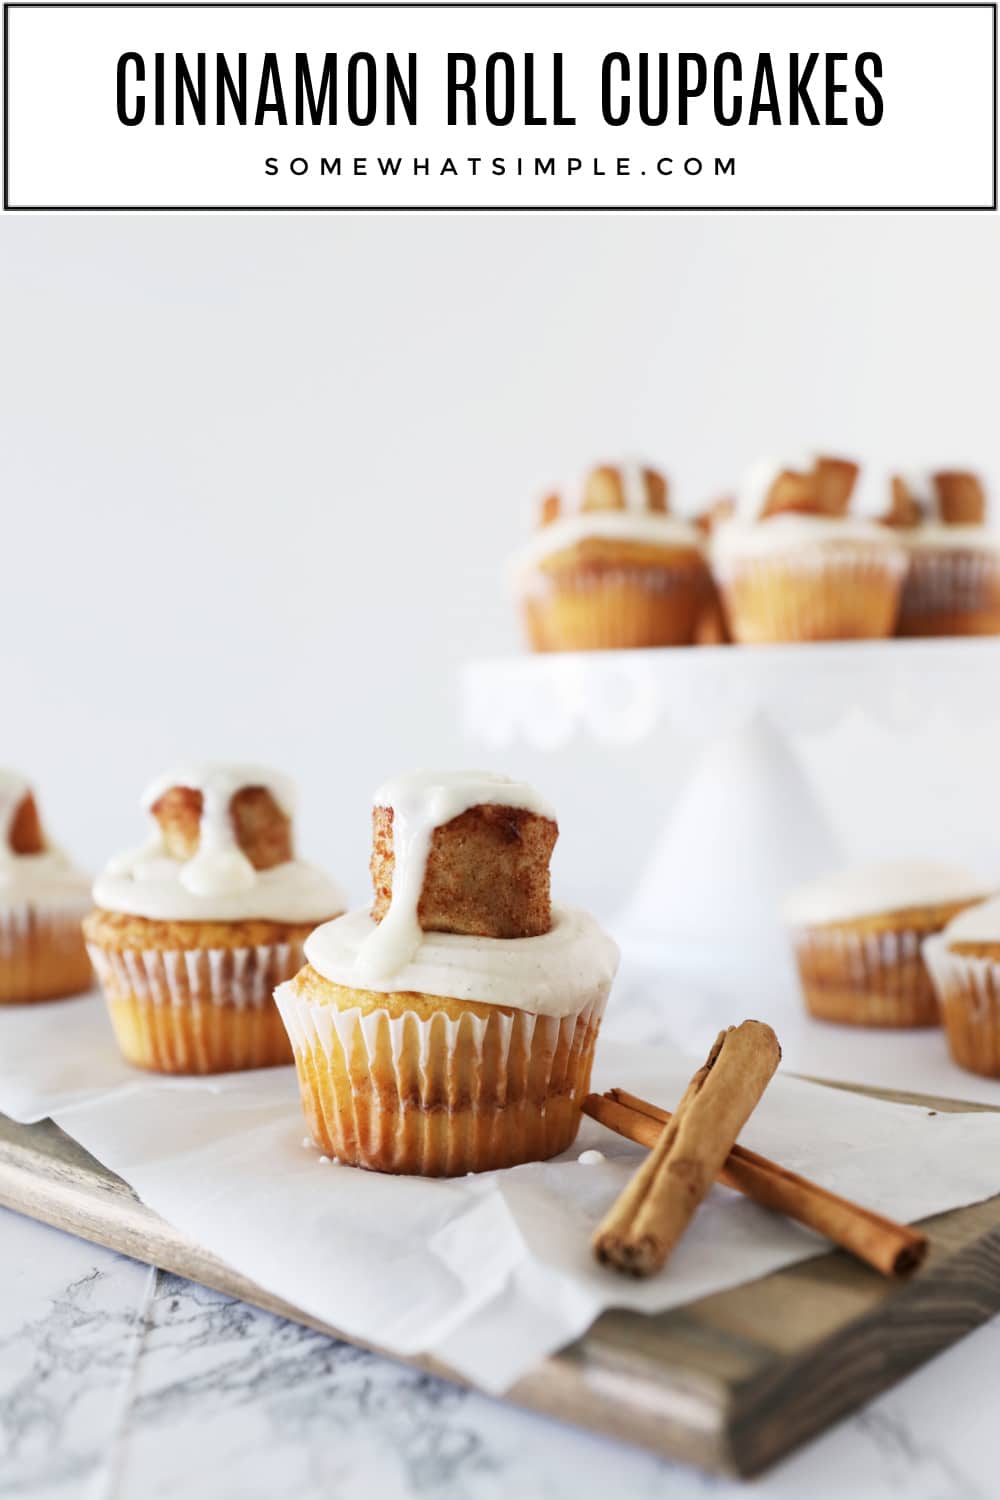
x=937 y=537
x=422 y=801
x=791 y=533
x=979 y=924
x=151 y=887
x=556 y=974
x=652 y=528
x=219 y=883
x=867 y=890
x=47 y=879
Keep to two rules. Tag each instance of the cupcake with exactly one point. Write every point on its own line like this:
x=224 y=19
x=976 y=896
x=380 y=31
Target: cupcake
x=42 y=902
x=451 y=1028
x=952 y=584
x=794 y=565
x=857 y=938
x=712 y=628
x=610 y=568
x=964 y=962
x=193 y=930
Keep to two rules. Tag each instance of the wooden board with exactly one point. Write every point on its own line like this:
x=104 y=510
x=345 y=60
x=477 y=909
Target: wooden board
x=730 y=1383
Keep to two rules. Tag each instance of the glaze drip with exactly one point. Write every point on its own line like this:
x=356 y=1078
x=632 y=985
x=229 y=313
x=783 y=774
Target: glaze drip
x=422 y=801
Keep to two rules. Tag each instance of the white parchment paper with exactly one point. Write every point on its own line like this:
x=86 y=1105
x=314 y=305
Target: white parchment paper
x=488 y=1273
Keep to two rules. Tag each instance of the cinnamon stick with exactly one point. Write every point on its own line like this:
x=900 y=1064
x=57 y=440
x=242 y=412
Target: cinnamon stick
x=644 y=1225
x=888 y=1247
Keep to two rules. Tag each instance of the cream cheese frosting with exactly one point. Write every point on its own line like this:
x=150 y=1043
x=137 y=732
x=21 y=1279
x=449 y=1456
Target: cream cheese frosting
x=867 y=890
x=556 y=974
x=978 y=924
x=422 y=801
x=219 y=883
x=937 y=537
x=792 y=532
x=46 y=879
x=652 y=528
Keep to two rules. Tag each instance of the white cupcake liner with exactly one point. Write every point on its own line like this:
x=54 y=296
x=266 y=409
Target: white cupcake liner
x=590 y=578
x=401 y=1123
x=886 y=969
x=243 y=978
x=56 y=927
x=831 y=573
x=968 y=991
x=950 y=583
x=42 y=954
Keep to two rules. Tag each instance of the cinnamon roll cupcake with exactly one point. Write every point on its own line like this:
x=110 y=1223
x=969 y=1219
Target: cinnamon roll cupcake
x=952 y=584
x=193 y=930
x=964 y=961
x=794 y=565
x=42 y=902
x=610 y=568
x=451 y=1028
x=858 y=937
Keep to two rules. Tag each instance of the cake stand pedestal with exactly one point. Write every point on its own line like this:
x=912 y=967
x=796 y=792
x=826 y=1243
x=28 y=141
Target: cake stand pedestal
x=749 y=825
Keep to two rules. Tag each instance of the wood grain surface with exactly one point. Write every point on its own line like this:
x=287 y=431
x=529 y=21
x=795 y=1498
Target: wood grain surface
x=730 y=1383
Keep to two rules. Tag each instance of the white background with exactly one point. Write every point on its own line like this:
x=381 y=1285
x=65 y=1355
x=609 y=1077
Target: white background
x=933 y=146
x=260 y=480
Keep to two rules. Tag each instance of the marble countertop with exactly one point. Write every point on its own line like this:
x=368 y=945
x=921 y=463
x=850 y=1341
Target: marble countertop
x=118 y=1382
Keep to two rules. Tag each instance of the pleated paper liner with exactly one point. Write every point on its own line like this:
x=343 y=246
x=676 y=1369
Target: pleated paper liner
x=865 y=978
x=199 y=1010
x=837 y=592
x=952 y=592
x=968 y=991
x=604 y=607
x=42 y=954
x=440 y=1096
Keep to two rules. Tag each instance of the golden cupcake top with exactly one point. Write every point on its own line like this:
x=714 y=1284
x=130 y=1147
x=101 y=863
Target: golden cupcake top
x=220 y=848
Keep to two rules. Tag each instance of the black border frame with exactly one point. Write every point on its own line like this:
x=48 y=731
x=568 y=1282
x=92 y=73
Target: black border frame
x=508 y=208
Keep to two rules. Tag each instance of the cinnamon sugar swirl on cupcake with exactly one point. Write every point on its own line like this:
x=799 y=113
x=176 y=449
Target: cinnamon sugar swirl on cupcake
x=193 y=930
x=451 y=1028
x=952 y=584
x=611 y=568
x=793 y=563
x=42 y=902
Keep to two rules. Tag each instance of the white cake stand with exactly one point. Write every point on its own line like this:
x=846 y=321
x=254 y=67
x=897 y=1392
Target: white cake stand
x=748 y=825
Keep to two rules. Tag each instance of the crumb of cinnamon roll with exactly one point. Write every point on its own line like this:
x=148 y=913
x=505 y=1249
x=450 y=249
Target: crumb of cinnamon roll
x=961 y=498
x=263 y=831
x=904 y=507
x=824 y=491
x=487 y=872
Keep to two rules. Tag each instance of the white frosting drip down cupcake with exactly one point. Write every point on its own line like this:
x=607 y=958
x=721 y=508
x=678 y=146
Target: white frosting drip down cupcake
x=870 y=890
x=219 y=883
x=554 y=974
x=47 y=879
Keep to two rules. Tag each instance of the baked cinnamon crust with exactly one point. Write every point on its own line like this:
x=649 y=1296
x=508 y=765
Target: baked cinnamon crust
x=904 y=508
x=26 y=836
x=824 y=491
x=487 y=872
x=263 y=831
x=605 y=489
x=961 y=498
x=120 y=931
